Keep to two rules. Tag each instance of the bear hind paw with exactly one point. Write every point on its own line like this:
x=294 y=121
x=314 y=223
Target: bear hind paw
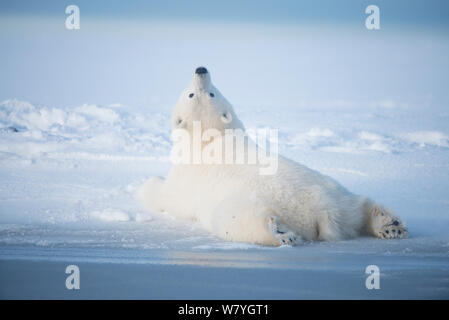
x=283 y=235
x=393 y=230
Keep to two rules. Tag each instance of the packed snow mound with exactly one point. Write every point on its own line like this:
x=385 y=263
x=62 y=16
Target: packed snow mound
x=86 y=131
x=428 y=138
x=110 y=214
x=354 y=141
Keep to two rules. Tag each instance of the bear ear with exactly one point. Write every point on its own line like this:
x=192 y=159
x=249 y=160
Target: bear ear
x=226 y=117
x=178 y=121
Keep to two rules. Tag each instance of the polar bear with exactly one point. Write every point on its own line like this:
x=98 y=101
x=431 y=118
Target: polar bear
x=237 y=203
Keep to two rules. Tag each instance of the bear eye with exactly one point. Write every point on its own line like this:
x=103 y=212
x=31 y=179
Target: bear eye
x=191 y=95
x=178 y=122
x=212 y=95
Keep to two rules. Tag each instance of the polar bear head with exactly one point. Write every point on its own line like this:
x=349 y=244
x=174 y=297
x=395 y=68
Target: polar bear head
x=202 y=102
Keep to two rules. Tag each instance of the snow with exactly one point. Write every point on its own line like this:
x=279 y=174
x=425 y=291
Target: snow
x=431 y=138
x=67 y=195
x=86 y=131
x=367 y=112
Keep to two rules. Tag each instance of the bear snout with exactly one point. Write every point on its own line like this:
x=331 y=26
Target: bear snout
x=201 y=70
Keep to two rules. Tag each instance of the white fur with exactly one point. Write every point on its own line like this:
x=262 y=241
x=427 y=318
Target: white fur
x=236 y=203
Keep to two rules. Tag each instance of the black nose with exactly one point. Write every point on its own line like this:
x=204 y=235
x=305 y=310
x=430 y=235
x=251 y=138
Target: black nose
x=201 y=70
